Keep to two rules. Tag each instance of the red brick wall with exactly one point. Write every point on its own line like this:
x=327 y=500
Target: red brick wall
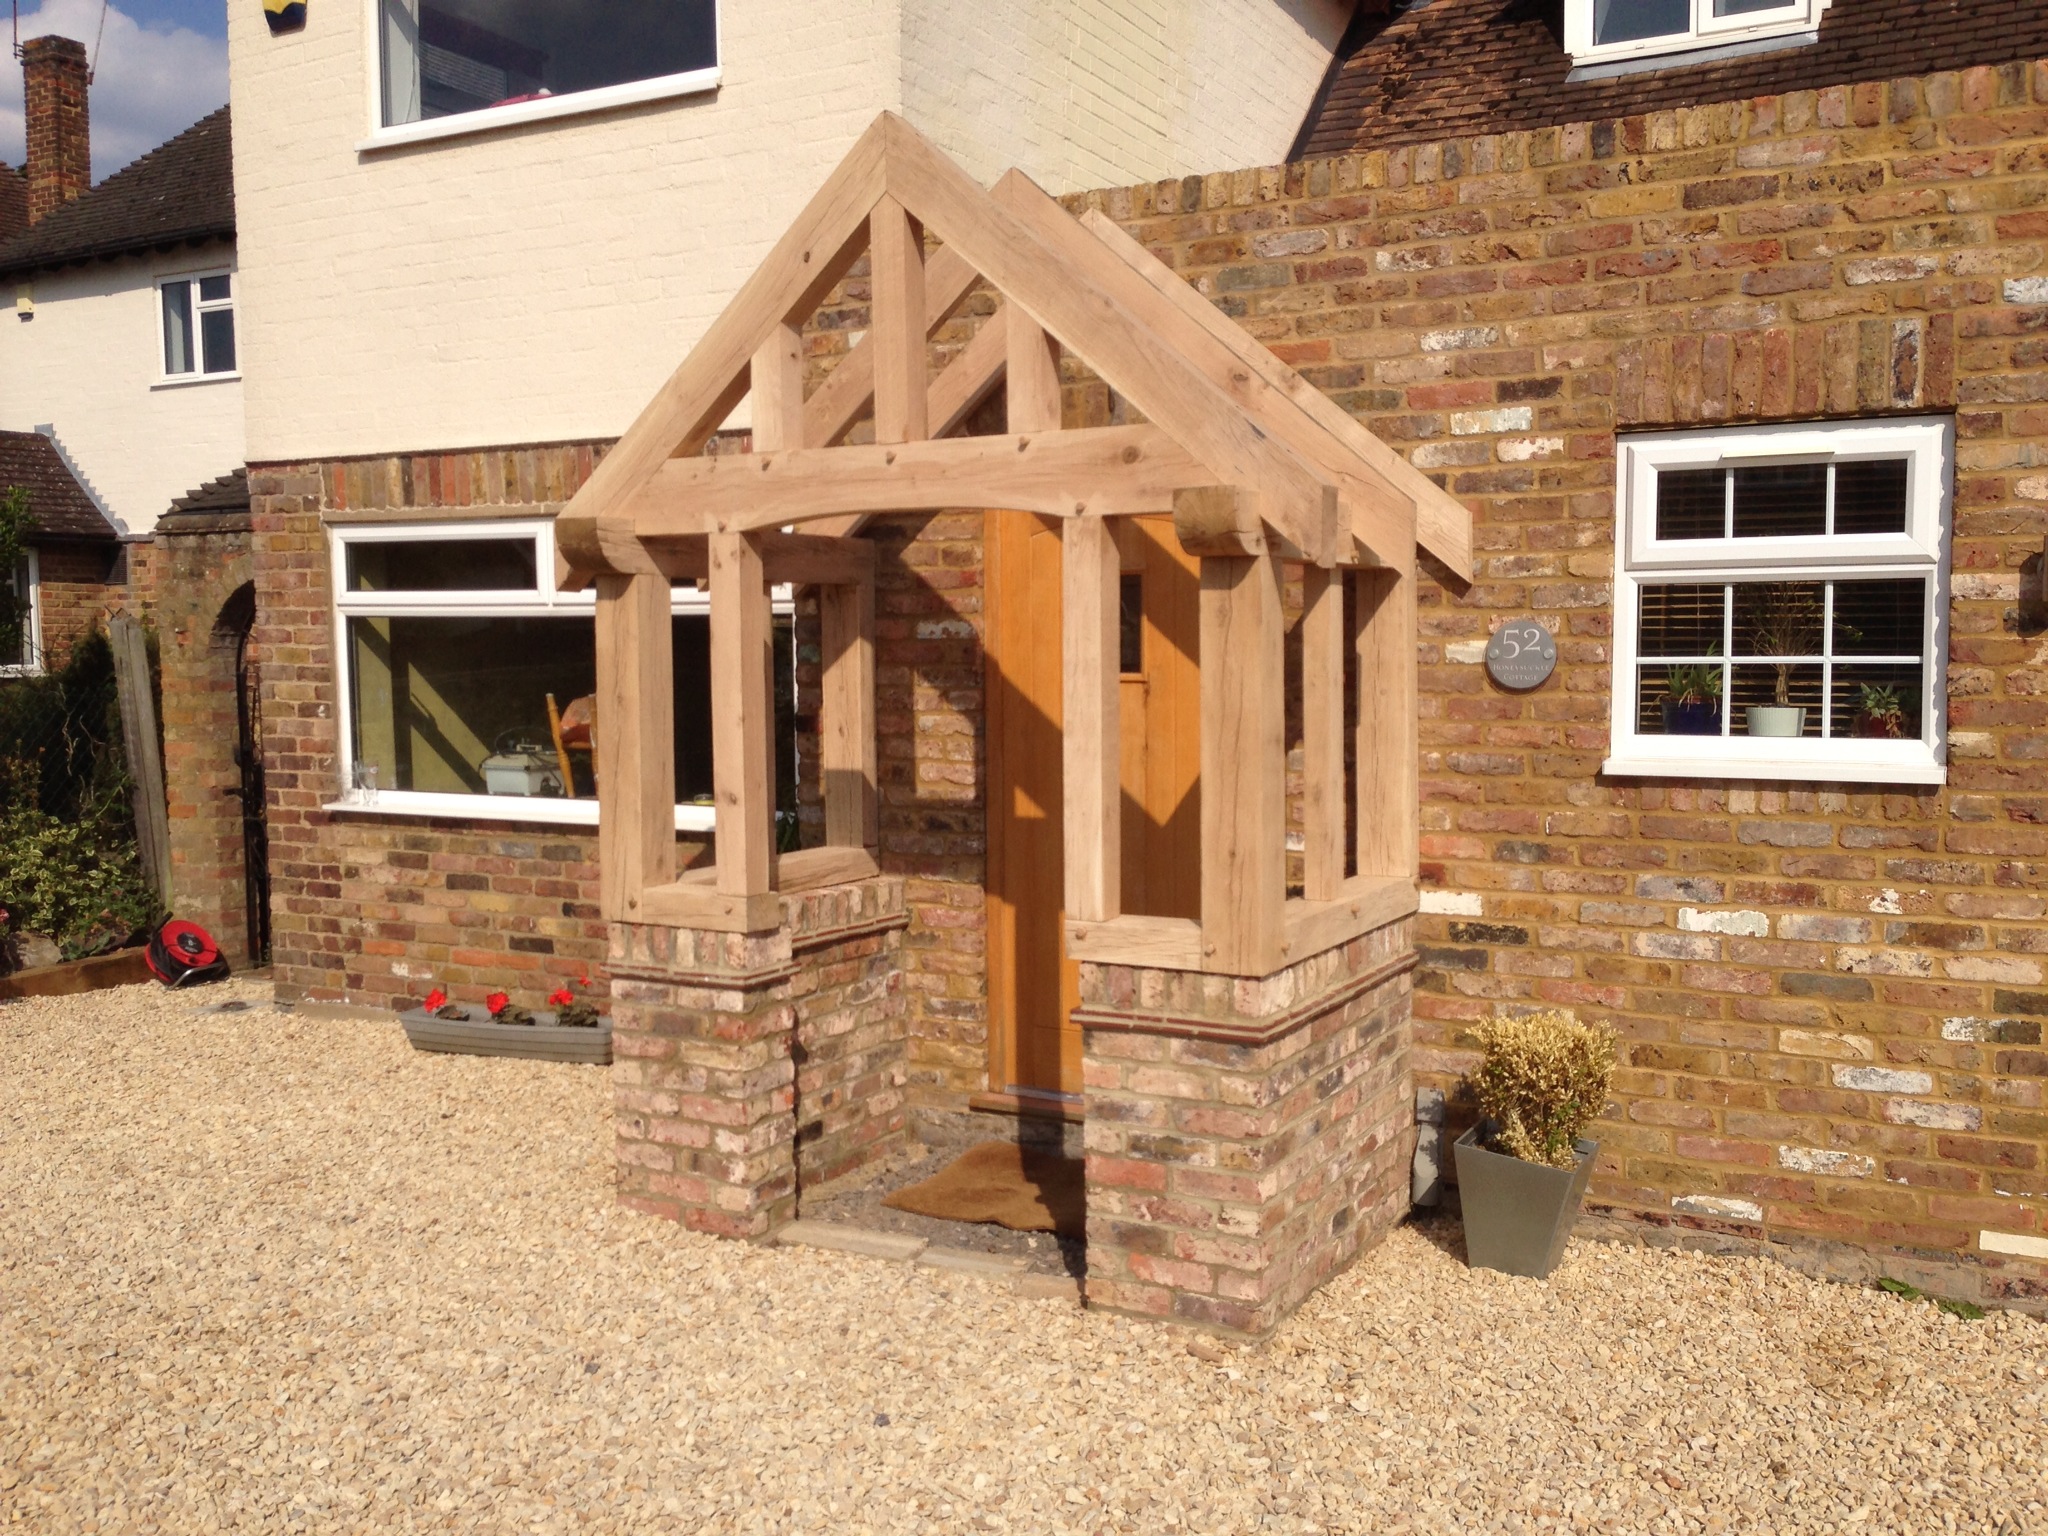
x=1867 y=1067
x=377 y=909
x=76 y=590
x=56 y=114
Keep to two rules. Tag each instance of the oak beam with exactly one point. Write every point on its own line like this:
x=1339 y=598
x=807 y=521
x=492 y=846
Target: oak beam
x=1031 y=375
x=842 y=399
x=897 y=323
x=813 y=254
x=1244 y=806
x=794 y=559
x=1091 y=740
x=742 y=774
x=1389 y=831
x=847 y=761
x=636 y=789
x=1076 y=302
x=1323 y=811
x=777 y=390
x=1116 y=471
x=1440 y=523
x=1218 y=520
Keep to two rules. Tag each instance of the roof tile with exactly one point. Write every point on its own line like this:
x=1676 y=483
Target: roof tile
x=59 y=504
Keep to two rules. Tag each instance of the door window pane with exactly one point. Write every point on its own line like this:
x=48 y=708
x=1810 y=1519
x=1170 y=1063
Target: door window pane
x=443 y=57
x=177 y=327
x=444 y=565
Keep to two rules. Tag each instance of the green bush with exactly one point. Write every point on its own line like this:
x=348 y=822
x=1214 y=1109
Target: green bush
x=68 y=861
x=79 y=881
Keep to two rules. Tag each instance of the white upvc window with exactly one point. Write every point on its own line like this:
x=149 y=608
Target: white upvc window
x=1781 y=603
x=22 y=655
x=452 y=640
x=449 y=67
x=1597 y=31
x=196 y=326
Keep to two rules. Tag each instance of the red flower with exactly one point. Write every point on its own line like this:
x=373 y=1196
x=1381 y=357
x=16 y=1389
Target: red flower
x=436 y=1000
x=582 y=981
x=561 y=997
x=497 y=1002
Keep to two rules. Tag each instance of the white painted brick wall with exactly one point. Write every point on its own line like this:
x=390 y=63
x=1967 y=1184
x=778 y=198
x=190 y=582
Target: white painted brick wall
x=539 y=284
x=86 y=365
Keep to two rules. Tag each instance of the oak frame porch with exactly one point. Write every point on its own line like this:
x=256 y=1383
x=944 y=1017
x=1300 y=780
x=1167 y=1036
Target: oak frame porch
x=1255 y=464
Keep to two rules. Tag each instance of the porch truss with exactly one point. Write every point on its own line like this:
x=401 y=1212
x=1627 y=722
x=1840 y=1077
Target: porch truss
x=1256 y=466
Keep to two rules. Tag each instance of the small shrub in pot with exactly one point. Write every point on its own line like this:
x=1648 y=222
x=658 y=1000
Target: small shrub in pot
x=1523 y=1169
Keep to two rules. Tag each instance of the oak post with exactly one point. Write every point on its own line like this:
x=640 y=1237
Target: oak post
x=846 y=716
x=1388 y=829
x=1322 y=733
x=896 y=255
x=1031 y=374
x=636 y=788
x=1091 y=740
x=1244 y=807
x=776 y=383
x=742 y=777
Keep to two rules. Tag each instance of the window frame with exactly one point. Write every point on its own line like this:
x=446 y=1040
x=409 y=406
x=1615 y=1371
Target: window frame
x=540 y=601
x=1928 y=444
x=1707 y=31
x=232 y=303
x=691 y=82
x=31 y=664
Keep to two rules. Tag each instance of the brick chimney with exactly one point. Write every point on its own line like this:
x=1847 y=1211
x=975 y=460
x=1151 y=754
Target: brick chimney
x=58 y=122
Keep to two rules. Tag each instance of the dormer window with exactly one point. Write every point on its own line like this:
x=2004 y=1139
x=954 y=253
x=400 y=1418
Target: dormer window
x=1605 y=31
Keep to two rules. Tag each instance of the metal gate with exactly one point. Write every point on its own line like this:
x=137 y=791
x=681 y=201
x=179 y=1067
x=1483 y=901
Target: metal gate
x=249 y=759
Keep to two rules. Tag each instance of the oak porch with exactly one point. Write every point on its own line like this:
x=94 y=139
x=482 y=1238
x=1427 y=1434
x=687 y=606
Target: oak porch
x=1256 y=467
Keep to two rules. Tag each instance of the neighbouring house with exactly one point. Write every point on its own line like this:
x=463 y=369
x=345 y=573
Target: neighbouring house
x=123 y=355
x=68 y=571
x=1722 y=321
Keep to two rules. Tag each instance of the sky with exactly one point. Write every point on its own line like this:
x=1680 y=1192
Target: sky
x=161 y=66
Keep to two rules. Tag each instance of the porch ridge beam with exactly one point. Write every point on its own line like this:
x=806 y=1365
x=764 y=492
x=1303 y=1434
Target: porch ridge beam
x=1116 y=471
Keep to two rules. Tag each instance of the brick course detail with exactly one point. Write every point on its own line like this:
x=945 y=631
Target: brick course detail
x=1246 y=1139
x=752 y=1068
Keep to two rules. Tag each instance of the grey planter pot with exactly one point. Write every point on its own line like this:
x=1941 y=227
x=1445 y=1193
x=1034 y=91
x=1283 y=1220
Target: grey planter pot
x=1517 y=1214
x=477 y=1035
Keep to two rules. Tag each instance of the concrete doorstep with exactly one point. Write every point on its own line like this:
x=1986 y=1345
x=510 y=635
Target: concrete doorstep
x=897 y=1248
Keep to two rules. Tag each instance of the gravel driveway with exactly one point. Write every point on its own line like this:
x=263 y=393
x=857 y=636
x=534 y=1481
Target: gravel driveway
x=263 y=1272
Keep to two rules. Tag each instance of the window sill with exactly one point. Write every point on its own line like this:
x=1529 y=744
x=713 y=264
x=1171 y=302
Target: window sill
x=1915 y=767
x=575 y=104
x=1635 y=59
x=187 y=381
x=543 y=810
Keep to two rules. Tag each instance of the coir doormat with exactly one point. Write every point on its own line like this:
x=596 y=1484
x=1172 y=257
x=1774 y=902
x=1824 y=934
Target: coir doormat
x=1017 y=1187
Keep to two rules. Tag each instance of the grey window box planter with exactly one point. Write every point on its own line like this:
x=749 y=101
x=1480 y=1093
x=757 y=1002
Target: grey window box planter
x=478 y=1035
x=1517 y=1214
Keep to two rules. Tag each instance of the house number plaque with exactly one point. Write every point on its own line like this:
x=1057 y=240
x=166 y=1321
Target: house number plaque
x=1521 y=654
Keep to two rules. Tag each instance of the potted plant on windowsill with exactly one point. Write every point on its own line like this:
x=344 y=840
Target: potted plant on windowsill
x=571 y=1030
x=1522 y=1170
x=1692 y=698
x=1786 y=623
x=1879 y=714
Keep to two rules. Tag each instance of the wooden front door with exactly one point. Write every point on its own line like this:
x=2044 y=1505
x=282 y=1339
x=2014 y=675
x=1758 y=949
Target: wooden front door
x=1034 y=1051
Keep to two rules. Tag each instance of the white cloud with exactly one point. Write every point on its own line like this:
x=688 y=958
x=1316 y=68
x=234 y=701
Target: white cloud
x=148 y=82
